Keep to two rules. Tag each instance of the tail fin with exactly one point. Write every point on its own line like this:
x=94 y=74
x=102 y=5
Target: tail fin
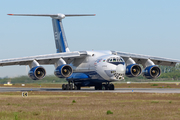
x=59 y=35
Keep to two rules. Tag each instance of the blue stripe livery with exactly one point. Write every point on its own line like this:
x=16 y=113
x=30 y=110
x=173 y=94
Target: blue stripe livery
x=59 y=35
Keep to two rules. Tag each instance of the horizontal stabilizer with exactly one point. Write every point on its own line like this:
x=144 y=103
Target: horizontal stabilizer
x=57 y=16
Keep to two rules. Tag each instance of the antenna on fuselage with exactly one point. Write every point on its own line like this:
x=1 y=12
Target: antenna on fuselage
x=59 y=34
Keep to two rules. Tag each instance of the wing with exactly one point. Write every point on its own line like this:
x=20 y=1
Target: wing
x=141 y=59
x=43 y=59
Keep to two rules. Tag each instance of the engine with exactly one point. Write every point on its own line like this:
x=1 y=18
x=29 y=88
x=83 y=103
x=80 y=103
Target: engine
x=152 y=72
x=37 y=73
x=133 y=70
x=63 y=71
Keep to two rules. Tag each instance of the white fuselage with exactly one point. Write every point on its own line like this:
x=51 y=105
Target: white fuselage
x=108 y=66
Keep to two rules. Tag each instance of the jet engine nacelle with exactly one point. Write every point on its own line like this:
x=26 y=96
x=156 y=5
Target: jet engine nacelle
x=133 y=70
x=63 y=71
x=37 y=73
x=152 y=72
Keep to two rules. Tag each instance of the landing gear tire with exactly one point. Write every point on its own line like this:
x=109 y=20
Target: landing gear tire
x=98 y=87
x=75 y=87
x=111 y=87
x=67 y=87
x=63 y=87
x=78 y=87
x=70 y=86
x=103 y=87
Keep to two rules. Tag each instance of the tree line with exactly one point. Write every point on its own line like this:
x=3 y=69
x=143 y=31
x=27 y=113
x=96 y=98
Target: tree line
x=170 y=72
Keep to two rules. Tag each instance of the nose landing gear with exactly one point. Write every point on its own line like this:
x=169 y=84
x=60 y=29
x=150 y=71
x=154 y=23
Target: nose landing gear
x=106 y=86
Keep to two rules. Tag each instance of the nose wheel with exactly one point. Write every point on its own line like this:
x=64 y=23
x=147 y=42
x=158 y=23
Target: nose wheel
x=104 y=87
x=111 y=86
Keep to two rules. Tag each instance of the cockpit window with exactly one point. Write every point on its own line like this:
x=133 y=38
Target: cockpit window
x=115 y=59
x=119 y=60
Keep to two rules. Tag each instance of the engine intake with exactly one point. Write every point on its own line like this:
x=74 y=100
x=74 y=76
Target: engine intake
x=63 y=71
x=152 y=72
x=37 y=73
x=133 y=70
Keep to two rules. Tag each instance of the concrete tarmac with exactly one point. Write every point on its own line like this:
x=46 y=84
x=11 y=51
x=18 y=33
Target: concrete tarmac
x=121 y=90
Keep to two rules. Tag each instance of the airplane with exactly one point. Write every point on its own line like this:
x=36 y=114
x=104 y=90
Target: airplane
x=88 y=68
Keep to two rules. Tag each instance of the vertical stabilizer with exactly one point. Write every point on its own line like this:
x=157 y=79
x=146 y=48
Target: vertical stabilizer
x=59 y=36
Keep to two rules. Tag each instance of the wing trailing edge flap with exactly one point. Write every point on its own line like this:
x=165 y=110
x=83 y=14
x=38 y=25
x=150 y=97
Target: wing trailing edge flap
x=141 y=59
x=42 y=59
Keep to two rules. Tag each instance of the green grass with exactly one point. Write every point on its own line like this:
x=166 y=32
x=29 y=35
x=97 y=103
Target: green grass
x=87 y=105
x=154 y=101
x=154 y=85
x=16 y=116
x=109 y=112
x=73 y=101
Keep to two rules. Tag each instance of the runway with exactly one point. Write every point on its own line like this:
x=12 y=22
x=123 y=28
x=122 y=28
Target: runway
x=119 y=90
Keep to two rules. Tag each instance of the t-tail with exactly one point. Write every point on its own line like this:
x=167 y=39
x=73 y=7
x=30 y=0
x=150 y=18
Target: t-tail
x=59 y=34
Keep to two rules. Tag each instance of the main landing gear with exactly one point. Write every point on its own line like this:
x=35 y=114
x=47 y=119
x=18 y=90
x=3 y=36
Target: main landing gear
x=70 y=87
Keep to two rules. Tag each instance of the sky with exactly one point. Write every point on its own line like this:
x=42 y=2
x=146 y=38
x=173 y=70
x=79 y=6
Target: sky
x=149 y=27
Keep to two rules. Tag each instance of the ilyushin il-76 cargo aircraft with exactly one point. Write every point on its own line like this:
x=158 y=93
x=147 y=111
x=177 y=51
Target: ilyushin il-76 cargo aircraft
x=88 y=68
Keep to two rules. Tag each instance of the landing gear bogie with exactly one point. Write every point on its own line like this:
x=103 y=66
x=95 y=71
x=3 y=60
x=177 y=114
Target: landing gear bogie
x=70 y=87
